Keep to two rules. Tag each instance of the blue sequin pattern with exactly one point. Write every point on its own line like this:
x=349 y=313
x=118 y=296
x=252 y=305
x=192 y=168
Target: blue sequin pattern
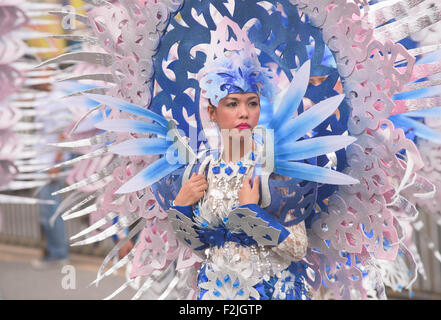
x=289 y=285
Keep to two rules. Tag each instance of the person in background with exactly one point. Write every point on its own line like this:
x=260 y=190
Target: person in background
x=56 y=249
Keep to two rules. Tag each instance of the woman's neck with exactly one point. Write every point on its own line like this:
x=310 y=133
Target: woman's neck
x=236 y=150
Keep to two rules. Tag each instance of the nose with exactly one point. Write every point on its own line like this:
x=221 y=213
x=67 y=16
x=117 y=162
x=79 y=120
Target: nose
x=242 y=111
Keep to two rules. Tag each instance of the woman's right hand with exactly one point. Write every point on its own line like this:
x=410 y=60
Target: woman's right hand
x=192 y=190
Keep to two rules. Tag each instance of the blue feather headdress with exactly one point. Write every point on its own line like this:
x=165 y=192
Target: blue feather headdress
x=236 y=72
x=232 y=65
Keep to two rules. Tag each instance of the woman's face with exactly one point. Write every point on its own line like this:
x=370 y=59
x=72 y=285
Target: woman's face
x=236 y=110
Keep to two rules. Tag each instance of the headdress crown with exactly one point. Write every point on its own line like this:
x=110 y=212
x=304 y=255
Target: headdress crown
x=232 y=65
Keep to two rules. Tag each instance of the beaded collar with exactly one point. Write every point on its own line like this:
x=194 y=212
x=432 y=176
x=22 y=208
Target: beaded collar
x=225 y=180
x=232 y=168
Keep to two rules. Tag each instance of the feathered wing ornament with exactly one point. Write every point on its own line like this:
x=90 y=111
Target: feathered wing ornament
x=286 y=133
x=103 y=203
x=422 y=92
x=152 y=55
x=390 y=77
x=421 y=126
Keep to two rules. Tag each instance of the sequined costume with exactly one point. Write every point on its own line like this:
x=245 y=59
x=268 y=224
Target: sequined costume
x=234 y=265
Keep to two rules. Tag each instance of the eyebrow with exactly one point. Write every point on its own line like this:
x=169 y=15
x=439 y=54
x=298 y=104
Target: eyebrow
x=236 y=99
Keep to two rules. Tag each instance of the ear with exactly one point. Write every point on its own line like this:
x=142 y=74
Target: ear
x=212 y=112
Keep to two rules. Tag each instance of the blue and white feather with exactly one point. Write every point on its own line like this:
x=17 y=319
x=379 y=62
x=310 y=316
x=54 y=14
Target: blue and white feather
x=287 y=130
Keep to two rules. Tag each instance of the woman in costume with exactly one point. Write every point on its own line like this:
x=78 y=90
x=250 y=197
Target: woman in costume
x=156 y=47
x=247 y=252
x=232 y=256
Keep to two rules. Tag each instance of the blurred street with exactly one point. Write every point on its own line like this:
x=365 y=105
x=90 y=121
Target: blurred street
x=20 y=281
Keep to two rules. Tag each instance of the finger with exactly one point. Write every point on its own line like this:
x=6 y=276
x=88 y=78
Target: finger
x=189 y=180
x=256 y=182
x=201 y=187
x=199 y=177
x=199 y=182
x=246 y=184
x=193 y=176
x=199 y=195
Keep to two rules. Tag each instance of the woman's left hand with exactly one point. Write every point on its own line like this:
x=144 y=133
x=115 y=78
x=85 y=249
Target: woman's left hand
x=248 y=194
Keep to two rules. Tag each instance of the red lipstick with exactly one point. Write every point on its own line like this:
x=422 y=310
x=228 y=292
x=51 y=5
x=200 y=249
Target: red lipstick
x=243 y=126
